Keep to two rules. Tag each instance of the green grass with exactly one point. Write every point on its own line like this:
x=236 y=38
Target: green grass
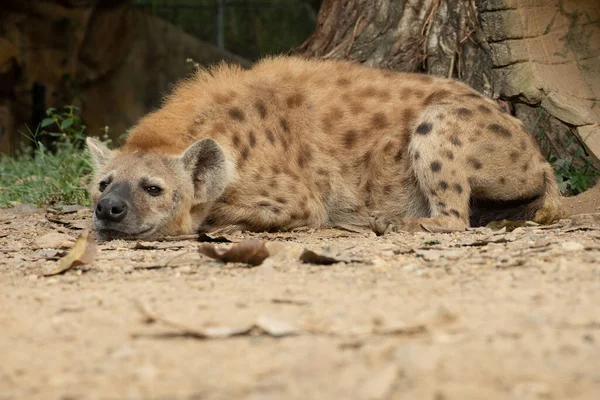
x=574 y=174
x=42 y=177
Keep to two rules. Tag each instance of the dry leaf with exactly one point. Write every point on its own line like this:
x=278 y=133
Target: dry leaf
x=352 y=228
x=78 y=225
x=399 y=328
x=203 y=237
x=274 y=327
x=157 y=246
x=82 y=253
x=252 y=252
x=144 y=246
x=70 y=209
x=290 y=301
x=439 y=229
x=310 y=257
x=263 y=326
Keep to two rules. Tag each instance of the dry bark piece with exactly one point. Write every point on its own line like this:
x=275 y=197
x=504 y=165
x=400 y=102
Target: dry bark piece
x=82 y=253
x=252 y=252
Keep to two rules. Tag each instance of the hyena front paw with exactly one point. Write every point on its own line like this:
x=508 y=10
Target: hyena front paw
x=380 y=224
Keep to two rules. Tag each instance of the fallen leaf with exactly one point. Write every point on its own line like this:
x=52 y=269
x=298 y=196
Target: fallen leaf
x=290 y=301
x=498 y=239
x=144 y=246
x=275 y=328
x=82 y=253
x=78 y=225
x=263 y=326
x=440 y=229
x=203 y=237
x=177 y=238
x=399 y=328
x=252 y=252
x=352 y=228
x=56 y=220
x=582 y=228
x=310 y=257
x=157 y=246
x=70 y=209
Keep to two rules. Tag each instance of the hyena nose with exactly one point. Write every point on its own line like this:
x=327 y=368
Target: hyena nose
x=111 y=209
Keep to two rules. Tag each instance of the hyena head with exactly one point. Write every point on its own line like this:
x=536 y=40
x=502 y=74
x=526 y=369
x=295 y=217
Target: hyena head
x=147 y=195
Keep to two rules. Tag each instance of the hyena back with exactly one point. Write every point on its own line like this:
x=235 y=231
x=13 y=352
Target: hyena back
x=295 y=142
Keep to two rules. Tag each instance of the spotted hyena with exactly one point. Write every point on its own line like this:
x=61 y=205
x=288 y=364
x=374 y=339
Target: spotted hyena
x=296 y=142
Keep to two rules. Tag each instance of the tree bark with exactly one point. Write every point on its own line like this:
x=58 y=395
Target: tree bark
x=439 y=37
x=545 y=53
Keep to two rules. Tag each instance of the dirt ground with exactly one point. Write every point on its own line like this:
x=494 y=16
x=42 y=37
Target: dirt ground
x=476 y=315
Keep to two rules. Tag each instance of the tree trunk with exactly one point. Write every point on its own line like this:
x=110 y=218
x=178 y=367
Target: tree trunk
x=439 y=37
x=544 y=54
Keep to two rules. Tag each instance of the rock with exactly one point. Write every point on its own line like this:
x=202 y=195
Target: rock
x=379 y=384
x=53 y=240
x=527 y=61
x=572 y=246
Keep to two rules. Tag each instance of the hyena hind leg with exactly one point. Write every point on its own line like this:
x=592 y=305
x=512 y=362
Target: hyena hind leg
x=438 y=178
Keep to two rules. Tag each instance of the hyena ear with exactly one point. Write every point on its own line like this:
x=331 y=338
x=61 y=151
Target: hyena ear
x=206 y=162
x=101 y=154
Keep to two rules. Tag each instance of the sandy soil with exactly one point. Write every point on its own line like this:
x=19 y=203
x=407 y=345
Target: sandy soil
x=476 y=315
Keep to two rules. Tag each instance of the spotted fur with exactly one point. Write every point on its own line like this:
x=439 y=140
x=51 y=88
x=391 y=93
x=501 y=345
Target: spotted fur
x=319 y=143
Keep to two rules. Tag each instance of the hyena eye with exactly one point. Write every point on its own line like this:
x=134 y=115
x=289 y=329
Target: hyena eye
x=153 y=190
x=102 y=186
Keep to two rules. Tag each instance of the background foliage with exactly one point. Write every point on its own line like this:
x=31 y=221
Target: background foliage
x=251 y=28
